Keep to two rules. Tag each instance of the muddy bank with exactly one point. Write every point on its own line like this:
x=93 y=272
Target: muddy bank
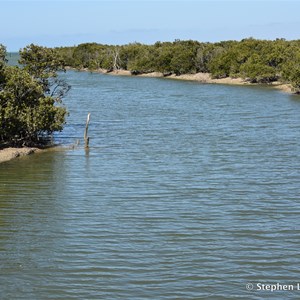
x=206 y=78
x=11 y=153
x=199 y=77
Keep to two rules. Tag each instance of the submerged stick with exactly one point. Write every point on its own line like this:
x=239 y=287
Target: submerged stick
x=86 y=138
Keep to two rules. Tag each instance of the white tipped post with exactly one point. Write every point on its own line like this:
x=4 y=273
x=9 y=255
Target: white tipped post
x=86 y=138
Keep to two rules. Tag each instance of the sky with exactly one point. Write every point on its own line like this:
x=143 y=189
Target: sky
x=71 y=22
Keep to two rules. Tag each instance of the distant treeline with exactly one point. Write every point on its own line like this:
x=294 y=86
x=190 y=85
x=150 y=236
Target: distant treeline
x=257 y=61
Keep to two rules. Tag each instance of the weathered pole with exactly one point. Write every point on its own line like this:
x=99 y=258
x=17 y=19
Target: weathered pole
x=86 y=138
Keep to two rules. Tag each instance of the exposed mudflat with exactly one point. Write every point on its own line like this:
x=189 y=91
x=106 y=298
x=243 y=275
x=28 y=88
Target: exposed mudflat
x=10 y=153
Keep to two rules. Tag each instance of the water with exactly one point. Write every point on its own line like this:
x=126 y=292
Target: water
x=12 y=58
x=188 y=191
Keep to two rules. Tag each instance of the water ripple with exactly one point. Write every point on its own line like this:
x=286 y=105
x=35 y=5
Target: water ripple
x=188 y=191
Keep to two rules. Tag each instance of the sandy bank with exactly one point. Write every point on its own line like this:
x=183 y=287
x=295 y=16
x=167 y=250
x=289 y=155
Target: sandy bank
x=153 y=74
x=199 y=77
x=206 y=78
x=11 y=153
x=7 y=154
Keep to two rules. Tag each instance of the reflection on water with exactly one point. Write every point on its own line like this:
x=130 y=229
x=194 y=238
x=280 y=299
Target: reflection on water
x=187 y=191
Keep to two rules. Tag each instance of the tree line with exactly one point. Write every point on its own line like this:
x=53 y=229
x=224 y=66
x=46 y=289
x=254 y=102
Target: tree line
x=31 y=97
x=31 y=93
x=256 y=61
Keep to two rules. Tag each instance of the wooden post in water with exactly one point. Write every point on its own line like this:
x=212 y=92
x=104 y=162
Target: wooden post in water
x=86 y=138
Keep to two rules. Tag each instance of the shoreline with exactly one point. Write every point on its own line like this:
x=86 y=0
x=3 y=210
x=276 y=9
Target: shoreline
x=198 y=77
x=10 y=153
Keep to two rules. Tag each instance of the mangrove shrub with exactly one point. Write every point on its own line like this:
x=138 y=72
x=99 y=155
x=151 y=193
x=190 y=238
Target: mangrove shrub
x=30 y=97
x=261 y=61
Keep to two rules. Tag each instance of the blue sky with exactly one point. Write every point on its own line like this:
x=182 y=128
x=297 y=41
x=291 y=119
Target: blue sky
x=71 y=22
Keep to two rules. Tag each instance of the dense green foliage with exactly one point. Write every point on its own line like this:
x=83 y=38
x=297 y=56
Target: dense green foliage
x=257 y=61
x=29 y=96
